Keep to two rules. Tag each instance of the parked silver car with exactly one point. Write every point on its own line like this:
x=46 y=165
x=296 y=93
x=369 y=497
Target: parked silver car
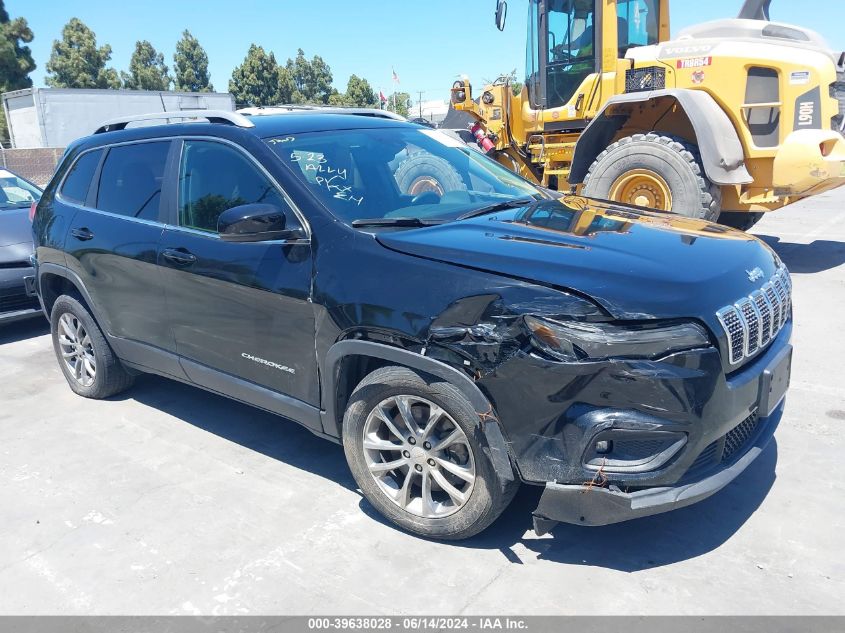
x=17 y=200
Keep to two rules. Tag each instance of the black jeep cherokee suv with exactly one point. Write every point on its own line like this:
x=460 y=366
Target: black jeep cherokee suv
x=458 y=329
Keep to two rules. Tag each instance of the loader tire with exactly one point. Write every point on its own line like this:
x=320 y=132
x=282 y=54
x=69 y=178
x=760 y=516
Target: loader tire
x=421 y=173
x=654 y=171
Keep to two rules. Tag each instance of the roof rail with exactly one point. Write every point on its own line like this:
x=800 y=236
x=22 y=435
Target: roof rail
x=325 y=109
x=213 y=116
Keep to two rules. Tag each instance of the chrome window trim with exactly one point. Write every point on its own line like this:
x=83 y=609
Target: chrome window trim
x=296 y=210
x=104 y=147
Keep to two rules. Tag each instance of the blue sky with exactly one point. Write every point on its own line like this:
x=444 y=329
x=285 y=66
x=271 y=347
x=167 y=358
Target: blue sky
x=429 y=42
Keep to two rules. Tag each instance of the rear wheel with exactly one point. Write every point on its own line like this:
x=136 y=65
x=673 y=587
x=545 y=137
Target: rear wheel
x=90 y=366
x=654 y=171
x=415 y=450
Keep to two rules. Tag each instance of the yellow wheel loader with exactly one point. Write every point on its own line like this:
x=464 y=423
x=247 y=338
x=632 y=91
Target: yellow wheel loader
x=730 y=119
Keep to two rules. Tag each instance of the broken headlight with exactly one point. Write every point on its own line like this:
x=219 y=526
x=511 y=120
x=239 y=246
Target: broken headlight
x=574 y=341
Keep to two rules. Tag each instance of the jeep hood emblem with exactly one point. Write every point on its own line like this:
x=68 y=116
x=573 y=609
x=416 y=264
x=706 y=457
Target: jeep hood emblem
x=754 y=274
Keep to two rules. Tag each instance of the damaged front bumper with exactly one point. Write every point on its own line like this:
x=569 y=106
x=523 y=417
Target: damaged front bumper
x=594 y=506
x=704 y=468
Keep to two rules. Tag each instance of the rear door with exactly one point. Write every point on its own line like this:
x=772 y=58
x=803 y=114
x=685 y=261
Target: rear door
x=112 y=244
x=239 y=308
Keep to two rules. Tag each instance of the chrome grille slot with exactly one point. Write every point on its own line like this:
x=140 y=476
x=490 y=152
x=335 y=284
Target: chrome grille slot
x=766 y=316
x=752 y=325
x=752 y=322
x=732 y=323
x=774 y=300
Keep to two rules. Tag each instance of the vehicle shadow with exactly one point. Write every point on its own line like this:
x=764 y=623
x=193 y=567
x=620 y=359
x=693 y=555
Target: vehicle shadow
x=644 y=543
x=257 y=430
x=22 y=330
x=815 y=257
x=632 y=546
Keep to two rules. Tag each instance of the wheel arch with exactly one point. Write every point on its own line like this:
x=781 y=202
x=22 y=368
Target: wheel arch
x=722 y=153
x=54 y=281
x=337 y=388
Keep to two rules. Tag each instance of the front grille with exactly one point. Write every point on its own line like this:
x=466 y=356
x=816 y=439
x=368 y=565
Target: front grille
x=723 y=449
x=753 y=321
x=18 y=264
x=645 y=79
x=737 y=437
x=17 y=302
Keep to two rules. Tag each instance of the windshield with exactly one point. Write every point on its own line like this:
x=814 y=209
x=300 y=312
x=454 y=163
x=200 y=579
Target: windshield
x=402 y=172
x=16 y=192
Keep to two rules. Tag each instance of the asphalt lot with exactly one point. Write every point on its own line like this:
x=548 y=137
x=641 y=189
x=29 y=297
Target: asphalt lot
x=168 y=500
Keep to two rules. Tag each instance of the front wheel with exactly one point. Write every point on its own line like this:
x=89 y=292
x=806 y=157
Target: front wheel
x=414 y=447
x=654 y=171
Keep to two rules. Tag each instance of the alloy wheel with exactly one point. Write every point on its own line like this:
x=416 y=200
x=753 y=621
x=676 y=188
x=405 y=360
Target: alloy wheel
x=77 y=349
x=419 y=456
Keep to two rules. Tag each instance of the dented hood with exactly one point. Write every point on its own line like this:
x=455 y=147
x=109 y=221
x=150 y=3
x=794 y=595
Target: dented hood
x=636 y=265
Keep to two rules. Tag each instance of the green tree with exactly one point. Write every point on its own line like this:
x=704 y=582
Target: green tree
x=256 y=82
x=147 y=70
x=77 y=62
x=286 y=86
x=312 y=79
x=403 y=103
x=360 y=93
x=190 y=65
x=516 y=85
x=15 y=59
x=337 y=99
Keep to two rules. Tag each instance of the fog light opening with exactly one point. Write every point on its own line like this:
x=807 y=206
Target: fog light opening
x=603 y=447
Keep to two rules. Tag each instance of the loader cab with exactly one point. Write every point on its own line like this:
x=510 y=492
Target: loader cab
x=566 y=43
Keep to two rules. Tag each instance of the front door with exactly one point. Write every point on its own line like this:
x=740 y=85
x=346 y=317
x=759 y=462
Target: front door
x=239 y=308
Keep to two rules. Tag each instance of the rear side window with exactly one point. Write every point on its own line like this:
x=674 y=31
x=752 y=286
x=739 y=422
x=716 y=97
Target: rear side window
x=78 y=181
x=131 y=180
x=213 y=178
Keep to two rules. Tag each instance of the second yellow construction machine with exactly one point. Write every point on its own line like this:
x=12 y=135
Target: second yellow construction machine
x=726 y=121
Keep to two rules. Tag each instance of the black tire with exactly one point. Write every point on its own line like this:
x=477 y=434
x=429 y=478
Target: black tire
x=740 y=220
x=673 y=159
x=110 y=376
x=423 y=172
x=488 y=497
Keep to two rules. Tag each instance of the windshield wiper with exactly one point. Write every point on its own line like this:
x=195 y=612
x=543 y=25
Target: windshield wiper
x=498 y=206
x=412 y=222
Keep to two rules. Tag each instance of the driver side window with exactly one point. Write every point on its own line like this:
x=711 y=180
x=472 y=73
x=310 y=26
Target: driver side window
x=214 y=177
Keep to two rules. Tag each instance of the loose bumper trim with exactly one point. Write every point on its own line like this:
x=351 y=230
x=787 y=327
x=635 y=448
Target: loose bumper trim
x=580 y=505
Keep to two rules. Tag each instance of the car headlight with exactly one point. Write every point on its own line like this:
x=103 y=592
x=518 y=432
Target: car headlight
x=573 y=341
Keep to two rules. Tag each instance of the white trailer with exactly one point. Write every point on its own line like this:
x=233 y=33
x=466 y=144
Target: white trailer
x=54 y=117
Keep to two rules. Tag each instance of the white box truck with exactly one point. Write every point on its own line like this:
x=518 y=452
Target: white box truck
x=54 y=117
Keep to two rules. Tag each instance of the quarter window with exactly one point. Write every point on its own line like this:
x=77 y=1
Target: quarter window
x=78 y=181
x=213 y=178
x=131 y=180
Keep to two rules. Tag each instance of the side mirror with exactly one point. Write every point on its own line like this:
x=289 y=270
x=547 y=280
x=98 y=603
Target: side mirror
x=255 y=223
x=501 y=14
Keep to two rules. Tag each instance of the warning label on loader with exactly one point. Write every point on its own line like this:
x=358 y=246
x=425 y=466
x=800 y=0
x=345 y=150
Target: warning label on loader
x=694 y=62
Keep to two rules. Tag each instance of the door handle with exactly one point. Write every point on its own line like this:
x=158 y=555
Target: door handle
x=83 y=234
x=179 y=256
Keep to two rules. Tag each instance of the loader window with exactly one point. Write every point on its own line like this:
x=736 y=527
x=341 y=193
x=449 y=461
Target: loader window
x=571 y=43
x=637 y=23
